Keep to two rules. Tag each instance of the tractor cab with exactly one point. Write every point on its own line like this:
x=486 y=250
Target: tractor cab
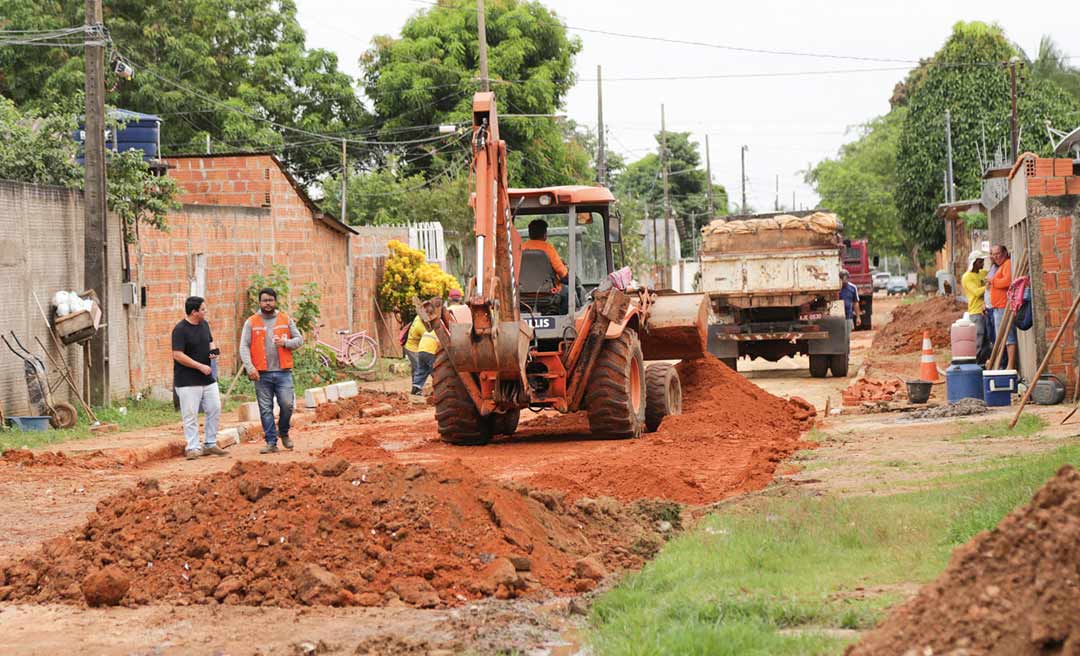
x=581 y=230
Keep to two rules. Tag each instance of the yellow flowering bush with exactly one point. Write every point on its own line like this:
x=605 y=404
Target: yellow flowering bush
x=408 y=274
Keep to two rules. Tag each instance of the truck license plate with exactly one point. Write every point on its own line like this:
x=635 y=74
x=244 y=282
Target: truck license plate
x=541 y=322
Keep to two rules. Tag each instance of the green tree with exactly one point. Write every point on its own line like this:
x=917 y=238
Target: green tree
x=963 y=79
x=36 y=148
x=860 y=185
x=641 y=183
x=136 y=194
x=428 y=75
x=1053 y=65
x=246 y=54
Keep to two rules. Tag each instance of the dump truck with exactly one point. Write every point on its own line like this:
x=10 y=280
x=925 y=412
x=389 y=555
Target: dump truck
x=773 y=281
x=527 y=340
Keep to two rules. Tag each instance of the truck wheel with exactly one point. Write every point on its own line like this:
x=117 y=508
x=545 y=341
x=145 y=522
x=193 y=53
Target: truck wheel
x=616 y=395
x=505 y=423
x=819 y=366
x=457 y=416
x=663 y=394
x=731 y=363
x=838 y=363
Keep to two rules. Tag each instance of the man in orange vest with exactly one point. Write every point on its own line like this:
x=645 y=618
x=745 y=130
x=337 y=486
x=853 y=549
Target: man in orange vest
x=538 y=230
x=266 y=347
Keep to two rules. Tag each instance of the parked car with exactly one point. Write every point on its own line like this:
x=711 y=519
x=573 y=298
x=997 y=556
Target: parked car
x=881 y=280
x=897 y=285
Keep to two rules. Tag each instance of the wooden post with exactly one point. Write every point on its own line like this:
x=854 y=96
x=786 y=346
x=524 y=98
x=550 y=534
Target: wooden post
x=96 y=234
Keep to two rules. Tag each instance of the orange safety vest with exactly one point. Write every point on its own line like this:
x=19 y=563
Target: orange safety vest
x=258 y=341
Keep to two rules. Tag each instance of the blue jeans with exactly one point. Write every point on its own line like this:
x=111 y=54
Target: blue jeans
x=271 y=385
x=425 y=362
x=999 y=317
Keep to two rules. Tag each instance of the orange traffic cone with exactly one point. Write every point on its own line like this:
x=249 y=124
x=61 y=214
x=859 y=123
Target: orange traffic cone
x=927 y=367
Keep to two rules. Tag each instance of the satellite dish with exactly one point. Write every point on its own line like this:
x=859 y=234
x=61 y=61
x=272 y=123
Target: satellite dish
x=1070 y=141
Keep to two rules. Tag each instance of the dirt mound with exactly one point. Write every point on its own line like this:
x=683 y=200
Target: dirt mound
x=904 y=331
x=729 y=439
x=331 y=533
x=1014 y=590
x=352 y=408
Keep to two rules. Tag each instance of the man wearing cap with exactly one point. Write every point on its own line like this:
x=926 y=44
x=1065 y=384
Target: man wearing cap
x=974 y=284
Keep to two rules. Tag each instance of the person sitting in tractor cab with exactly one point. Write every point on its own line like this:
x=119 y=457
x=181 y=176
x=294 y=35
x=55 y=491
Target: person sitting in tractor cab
x=538 y=242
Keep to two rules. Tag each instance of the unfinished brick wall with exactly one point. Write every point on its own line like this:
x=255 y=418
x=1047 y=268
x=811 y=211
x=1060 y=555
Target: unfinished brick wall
x=1053 y=197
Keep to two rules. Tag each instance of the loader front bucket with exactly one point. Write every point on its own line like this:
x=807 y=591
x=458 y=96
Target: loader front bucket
x=677 y=327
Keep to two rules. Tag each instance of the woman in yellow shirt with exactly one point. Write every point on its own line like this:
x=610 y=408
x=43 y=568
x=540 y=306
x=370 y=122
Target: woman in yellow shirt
x=974 y=284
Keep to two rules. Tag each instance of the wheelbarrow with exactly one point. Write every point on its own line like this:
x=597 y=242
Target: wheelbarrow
x=60 y=414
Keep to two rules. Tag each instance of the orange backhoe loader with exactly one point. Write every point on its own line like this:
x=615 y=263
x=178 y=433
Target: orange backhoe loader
x=518 y=343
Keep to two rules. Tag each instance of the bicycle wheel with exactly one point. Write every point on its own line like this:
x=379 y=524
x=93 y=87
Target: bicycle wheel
x=362 y=353
x=326 y=357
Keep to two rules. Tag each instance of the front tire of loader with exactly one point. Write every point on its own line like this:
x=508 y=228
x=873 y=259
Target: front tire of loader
x=663 y=394
x=819 y=366
x=616 y=394
x=458 y=418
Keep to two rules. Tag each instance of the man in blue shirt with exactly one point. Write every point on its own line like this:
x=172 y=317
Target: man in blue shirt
x=849 y=294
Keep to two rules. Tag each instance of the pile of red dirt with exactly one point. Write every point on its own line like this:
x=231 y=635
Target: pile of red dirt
x=871 y=389
x=730 y=438
x=1014 y=590
x=352 y=408
x=904 y=331
x=331 y=533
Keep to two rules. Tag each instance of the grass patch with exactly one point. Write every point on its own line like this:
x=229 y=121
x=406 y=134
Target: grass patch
x=733 y=583
x=1027 y=426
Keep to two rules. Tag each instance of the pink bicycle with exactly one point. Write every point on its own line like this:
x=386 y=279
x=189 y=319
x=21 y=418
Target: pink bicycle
x=358 y=350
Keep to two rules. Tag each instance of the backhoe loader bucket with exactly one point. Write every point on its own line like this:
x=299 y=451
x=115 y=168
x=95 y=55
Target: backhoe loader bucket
x=677 y=327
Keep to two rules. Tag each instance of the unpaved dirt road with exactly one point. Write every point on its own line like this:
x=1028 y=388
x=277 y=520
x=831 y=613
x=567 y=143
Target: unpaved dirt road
x=41 y=502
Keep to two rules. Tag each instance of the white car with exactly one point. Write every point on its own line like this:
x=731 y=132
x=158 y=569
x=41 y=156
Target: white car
x=881 y=279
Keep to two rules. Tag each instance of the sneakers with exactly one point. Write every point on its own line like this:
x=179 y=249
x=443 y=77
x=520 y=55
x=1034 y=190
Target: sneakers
x=214 y=450
x=269 y=448
x=286 y=442
x=192 y=454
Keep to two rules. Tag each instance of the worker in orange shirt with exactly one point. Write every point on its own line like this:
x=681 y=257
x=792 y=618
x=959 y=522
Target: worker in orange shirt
x=999 y=288
x=538 y=242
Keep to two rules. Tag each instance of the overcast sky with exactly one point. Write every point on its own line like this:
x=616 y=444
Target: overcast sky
x=786 y=121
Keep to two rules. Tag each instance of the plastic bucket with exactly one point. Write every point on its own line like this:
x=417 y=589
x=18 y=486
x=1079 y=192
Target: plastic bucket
x=918 y=391
x=963 y=381
x=998 y=387
x=29 y=424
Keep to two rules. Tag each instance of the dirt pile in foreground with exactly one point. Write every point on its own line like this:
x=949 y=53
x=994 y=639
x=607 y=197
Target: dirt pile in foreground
x=729 y=439
x=904 y=331
x=1014 y=590
x=90 y=460
x=331 y=533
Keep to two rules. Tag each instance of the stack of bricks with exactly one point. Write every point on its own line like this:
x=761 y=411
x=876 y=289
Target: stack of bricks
x=1050 y=177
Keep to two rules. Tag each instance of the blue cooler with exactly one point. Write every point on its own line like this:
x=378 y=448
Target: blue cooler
x=963 y=380
x=998 y=387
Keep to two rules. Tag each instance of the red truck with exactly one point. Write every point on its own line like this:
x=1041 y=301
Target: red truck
x=857 y=262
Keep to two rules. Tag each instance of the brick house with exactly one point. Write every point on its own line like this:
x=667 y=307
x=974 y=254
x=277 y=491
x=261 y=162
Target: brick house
x=1035 y=210
x=243 y=213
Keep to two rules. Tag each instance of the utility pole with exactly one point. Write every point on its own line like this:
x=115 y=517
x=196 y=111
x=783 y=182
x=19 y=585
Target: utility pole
x=776 y=203
x=667 y=195
x=793 y=200
x=481 y=28
x=601 y=163
x=708 y=175
x=742 y=156
x=96 y=233
x=344 y=181
x=1014 y=141
x=950 y=192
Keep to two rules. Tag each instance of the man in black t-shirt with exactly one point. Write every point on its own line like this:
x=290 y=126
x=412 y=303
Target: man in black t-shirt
x=192 y=350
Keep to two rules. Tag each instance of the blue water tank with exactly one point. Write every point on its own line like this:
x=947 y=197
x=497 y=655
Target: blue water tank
x=139 y=132
x=963 y=381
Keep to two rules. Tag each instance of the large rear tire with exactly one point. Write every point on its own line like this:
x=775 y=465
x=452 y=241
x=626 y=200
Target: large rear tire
x=458 y=418
x=838 y=363
x=819 y=366
x=616 y=395
x=663 y=394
